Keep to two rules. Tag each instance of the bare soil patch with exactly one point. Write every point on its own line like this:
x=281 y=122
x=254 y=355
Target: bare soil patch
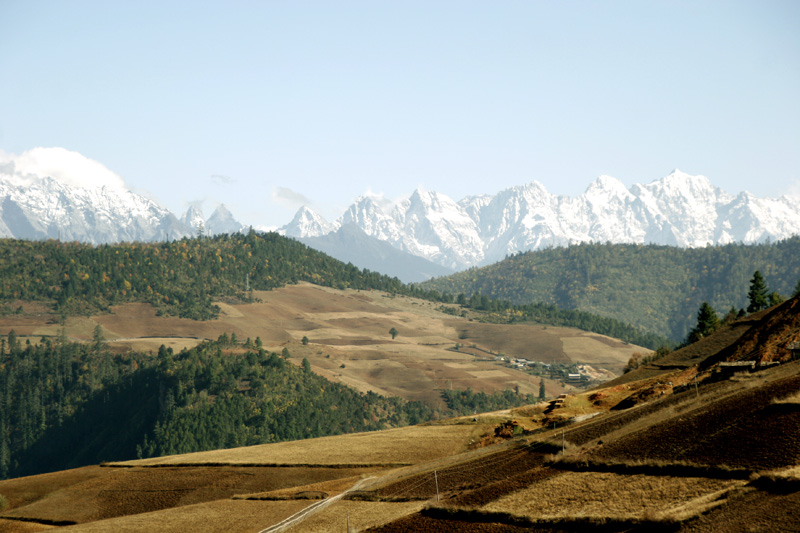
x=749 y=431
x=751 y=511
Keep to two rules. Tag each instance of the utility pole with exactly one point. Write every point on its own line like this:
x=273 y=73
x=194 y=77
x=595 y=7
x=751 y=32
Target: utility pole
x=563 y=447
x=348 y=521
x=436 y=479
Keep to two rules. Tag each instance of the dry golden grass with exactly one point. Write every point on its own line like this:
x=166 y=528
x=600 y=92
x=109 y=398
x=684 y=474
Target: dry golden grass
x=351 y=328
x=332 y=488
x=16 y=526
x=408 y=445
x=792 y=398
x=607 y=495
x=216 y=516
x=362 y=515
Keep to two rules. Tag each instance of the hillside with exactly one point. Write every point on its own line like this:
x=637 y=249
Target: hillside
x=656 y=288
x=690 y=449
x=184 y=277
x=288 y=355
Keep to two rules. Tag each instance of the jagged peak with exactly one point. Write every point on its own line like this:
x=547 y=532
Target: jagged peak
x=680 y=178
x=306 y=214
x=604 y=182
x=221 y=210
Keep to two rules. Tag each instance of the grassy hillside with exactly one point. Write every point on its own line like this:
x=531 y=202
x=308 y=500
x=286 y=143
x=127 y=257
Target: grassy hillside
x=184 y=277
x=678 y=447
x=656 y=288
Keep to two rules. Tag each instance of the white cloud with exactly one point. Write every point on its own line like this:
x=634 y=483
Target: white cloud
x=65 y=166
x=285 y=196
x=222 y=179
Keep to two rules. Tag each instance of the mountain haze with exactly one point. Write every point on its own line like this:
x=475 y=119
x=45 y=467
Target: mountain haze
x=351 y=245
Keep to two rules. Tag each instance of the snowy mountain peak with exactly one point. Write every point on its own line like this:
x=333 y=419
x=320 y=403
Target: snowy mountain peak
x=222 y=221
x=58 y=194
x=605 y=186
x=678 y=209
x=66 y=167
x=677 y=182
x=193 y=217
x=306 y=223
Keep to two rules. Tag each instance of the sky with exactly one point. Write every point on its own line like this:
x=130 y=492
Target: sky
x=266 y=106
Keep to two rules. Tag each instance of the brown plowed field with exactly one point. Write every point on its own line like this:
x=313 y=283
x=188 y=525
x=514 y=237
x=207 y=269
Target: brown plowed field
x=731 y=431
x=95 y=493
x=419 y=522
x=751 y=511
x=463 y=477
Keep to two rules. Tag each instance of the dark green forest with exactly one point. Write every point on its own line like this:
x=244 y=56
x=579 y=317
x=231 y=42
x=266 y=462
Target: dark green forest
x=655 y=288
x=179 y=278
x=65 y=404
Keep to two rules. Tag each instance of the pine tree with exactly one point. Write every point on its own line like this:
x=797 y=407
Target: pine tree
x=775 y=298
x=707 y=322
x=542 y=392
x=758 y=293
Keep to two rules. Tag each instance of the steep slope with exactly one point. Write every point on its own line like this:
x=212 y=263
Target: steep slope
x=722 y=454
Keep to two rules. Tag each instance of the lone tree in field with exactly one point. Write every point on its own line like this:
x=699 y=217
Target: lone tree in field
x=542 y=393
x=393 y=332
x=758 y=293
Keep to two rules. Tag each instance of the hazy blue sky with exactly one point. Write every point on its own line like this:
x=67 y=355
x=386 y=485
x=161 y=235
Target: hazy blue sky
x=264 y=105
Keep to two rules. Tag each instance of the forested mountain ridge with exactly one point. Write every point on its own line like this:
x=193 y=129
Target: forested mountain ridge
x=656 y=288
x=179 y=277
x=184 y=277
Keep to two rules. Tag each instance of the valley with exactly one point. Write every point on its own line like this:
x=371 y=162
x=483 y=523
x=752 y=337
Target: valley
x=349 y=340
x=651 y=451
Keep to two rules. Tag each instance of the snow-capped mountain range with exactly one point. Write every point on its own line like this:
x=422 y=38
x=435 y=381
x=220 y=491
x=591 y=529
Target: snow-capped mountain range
x=59 y=194
x=679 y=210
